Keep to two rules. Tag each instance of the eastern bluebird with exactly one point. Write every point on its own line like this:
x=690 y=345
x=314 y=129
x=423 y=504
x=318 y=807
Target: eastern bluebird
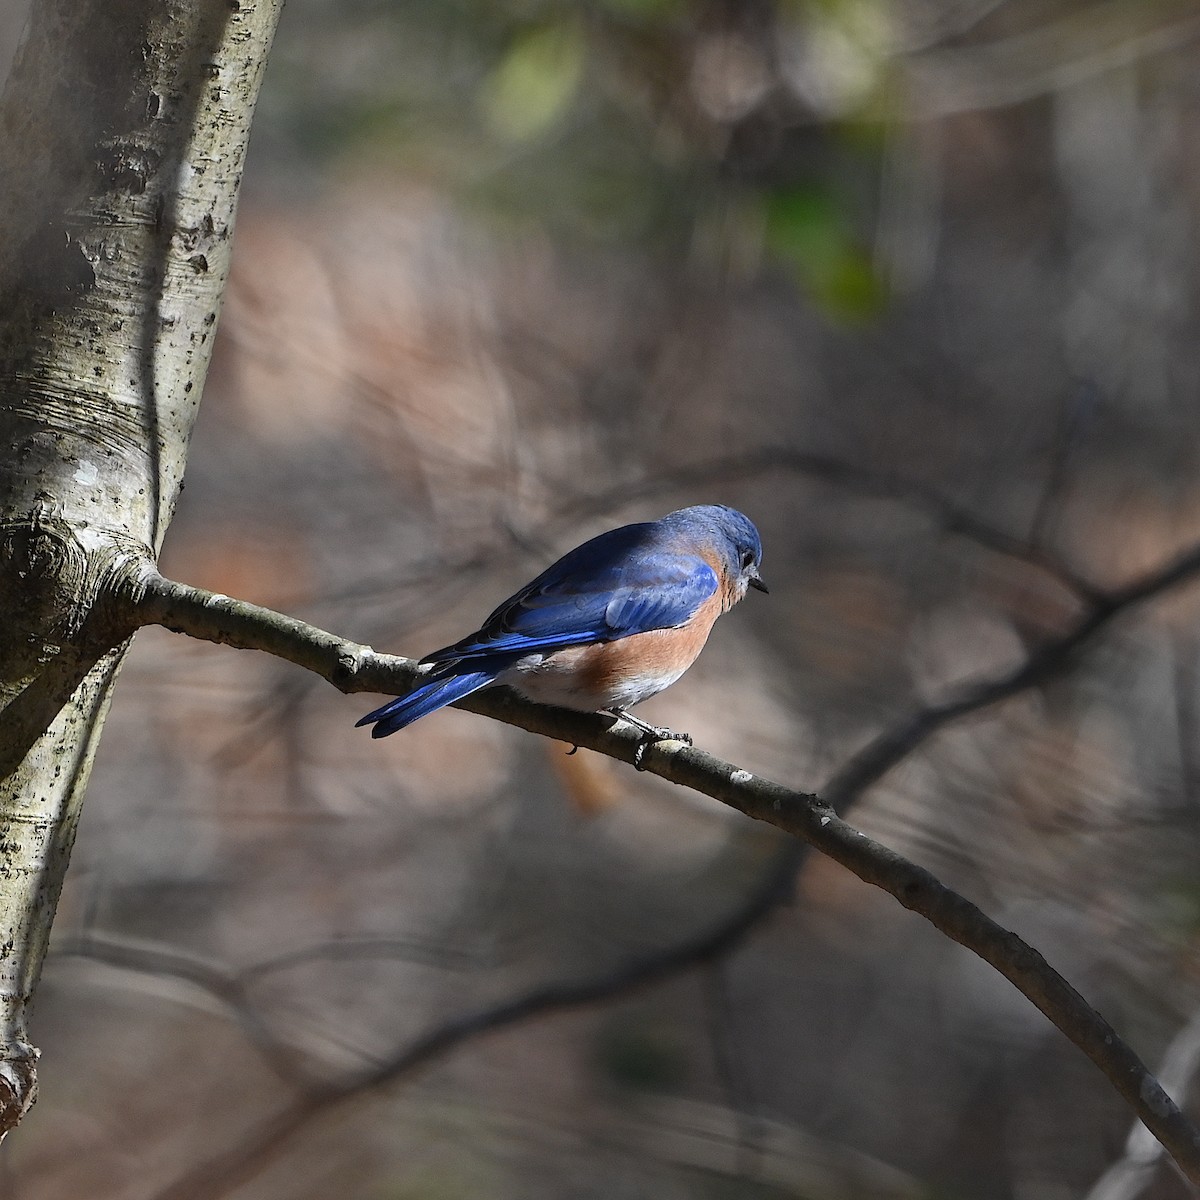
x=612 y=623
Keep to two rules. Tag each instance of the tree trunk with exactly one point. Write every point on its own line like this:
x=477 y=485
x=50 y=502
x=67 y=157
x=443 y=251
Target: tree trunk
x=123 y=131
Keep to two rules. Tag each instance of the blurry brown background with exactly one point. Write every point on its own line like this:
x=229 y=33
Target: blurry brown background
x=507 y=274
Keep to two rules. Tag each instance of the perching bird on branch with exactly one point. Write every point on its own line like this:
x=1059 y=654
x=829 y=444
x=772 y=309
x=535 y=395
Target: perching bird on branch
x=610 y=624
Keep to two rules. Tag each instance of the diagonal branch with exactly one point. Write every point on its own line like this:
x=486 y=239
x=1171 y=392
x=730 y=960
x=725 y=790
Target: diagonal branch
x=1131 y=1175
x=352 y=667
x=891 y=747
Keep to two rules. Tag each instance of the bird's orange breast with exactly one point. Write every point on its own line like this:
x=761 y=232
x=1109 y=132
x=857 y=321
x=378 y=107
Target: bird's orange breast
x=656 y=654
x=620 y=673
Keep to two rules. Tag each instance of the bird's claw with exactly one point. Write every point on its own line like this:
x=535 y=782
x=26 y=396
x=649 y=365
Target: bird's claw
x=652 y=739
x=650 y=735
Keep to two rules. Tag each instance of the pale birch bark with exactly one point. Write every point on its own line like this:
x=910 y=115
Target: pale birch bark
x=123 y=131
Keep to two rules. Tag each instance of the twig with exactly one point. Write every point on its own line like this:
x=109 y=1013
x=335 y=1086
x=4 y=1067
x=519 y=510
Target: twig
x=217 y=981
x=354 y=668
x=885 y=751
x=1132 y=1173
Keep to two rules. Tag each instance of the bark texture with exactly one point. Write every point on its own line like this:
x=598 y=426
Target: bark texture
x=123 y=131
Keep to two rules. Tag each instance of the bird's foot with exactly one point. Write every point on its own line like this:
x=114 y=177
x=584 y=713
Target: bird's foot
x=651 y=734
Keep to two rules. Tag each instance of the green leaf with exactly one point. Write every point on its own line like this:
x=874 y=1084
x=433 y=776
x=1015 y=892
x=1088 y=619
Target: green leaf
x=535 y=82
x=807 y=232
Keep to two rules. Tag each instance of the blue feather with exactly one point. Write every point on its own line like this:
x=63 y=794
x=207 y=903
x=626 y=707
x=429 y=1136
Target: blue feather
x=626 y=581
x=427 y=698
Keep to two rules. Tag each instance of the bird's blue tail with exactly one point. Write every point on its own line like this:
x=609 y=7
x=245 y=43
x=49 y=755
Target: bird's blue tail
x=422 y=701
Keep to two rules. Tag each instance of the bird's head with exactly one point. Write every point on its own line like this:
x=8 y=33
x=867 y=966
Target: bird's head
x=733 y=537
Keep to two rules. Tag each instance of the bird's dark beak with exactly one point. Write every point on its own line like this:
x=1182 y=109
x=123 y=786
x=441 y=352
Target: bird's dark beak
x=757 y=584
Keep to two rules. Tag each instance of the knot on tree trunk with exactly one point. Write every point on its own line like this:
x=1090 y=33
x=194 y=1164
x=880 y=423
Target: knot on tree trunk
x=62 y=593
x=18 y=1086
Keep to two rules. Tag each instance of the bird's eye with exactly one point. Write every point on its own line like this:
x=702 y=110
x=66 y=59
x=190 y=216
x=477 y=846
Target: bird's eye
x=747 y=559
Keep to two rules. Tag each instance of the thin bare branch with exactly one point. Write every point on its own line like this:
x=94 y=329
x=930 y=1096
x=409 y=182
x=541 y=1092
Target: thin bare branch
x=219 y=982
x=353 y=668
x=1133 y=1173
x=892 y=746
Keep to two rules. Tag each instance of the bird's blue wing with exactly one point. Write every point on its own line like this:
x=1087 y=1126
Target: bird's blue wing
x=425 y=699
x=618 y=584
